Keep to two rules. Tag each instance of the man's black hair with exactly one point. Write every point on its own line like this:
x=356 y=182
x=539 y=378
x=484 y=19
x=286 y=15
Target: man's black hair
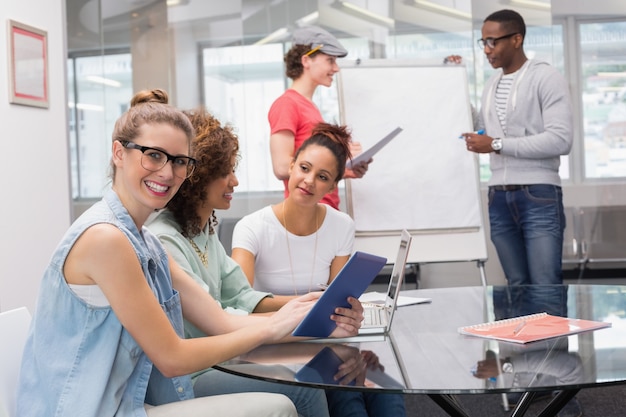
x=510 y=20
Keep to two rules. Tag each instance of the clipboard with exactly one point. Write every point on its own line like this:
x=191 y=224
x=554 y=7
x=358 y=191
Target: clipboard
x=369 y=153
x=322 y=368
x=353 y=279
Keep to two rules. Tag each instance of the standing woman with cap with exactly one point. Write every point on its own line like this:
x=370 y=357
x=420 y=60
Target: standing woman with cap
x=311 y=61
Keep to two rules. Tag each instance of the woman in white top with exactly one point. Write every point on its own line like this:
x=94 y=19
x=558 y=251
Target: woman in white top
x=299 y=243
x=291 y=247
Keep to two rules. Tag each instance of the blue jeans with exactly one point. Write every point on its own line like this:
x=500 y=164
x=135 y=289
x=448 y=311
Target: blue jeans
x=527 y=230
x=364 y=404
x=309 y=402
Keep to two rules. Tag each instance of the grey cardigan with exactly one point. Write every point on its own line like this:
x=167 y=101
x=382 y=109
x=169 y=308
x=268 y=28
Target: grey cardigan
x=539 y=126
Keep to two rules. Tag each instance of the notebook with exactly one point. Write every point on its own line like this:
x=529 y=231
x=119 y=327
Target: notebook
x=354 y=278
x=531 y=328
x=378 y=317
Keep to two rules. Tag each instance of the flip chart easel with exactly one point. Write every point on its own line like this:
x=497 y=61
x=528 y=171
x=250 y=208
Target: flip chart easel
x=424 y=180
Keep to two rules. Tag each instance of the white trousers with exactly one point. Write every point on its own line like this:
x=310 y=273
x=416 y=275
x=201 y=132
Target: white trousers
x=257 y=404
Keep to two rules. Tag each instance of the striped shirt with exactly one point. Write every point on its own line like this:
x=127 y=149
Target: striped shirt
x=503 y=91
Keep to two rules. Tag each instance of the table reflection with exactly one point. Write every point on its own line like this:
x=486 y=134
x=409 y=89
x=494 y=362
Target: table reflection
x=332 y=364
x=425 y=354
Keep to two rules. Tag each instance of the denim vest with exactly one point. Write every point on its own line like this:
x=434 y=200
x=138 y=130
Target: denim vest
x=79 y=360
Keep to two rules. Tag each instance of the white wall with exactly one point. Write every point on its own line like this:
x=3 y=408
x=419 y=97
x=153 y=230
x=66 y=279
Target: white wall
x=35 y=208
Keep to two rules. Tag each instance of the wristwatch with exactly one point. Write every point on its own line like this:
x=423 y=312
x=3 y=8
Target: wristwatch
x=507 y=366
x=496 y=144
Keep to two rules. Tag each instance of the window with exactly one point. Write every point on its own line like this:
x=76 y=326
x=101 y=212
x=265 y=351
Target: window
x=604 y=98
x=241 y=80
x=100 y=89
x=240 y=85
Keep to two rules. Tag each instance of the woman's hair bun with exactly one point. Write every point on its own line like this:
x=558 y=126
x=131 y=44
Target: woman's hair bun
x=150 y=96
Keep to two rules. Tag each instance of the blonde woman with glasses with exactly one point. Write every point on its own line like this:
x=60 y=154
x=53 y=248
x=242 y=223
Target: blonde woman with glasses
x=107 y=334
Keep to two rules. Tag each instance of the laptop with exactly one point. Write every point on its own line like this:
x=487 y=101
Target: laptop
x=354 y=278
x=378 y=317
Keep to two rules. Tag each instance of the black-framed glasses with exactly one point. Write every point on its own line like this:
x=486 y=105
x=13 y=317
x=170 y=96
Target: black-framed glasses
x=154 y=159
x=491 y=42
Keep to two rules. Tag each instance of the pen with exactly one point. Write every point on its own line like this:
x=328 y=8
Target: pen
x=480 y=132
x=322 y=286
x=317 y=48
x=519 y=327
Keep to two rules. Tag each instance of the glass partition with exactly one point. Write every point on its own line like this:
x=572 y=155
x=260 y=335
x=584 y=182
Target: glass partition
x=228 y=56
x=604 y=98
x=102 y=90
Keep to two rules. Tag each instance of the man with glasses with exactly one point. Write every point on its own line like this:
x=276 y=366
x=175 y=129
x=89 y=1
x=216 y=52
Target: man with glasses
x=527 y=120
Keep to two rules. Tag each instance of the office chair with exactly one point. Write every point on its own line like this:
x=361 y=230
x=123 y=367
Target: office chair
x=13 y=330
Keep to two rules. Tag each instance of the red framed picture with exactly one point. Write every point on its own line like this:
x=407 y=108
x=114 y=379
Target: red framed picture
x=28 y=65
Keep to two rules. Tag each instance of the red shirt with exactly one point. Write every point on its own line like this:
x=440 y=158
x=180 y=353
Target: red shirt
x=297 y=114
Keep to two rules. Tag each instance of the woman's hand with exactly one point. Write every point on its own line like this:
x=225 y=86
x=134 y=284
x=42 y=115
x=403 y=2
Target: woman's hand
x=371 y=360
x=291 y=314
x=353 y=366
x=358 y=170
x=348 y=320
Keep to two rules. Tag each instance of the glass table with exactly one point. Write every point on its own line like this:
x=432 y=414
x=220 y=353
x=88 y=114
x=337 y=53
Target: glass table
x=425 y=354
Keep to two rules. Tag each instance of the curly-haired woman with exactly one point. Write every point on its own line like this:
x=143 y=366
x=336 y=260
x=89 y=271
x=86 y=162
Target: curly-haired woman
x=187 y=230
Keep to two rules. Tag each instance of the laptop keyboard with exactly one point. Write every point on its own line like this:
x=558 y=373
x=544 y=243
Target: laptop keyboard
x=373 y=317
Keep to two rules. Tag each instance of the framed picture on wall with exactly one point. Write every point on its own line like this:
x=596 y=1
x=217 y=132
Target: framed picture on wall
x=28 y=65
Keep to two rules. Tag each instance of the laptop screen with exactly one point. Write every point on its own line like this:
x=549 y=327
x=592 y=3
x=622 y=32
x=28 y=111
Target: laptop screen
x=397 y=273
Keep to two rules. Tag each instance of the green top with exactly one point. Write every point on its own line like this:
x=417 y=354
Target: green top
x=222 y=277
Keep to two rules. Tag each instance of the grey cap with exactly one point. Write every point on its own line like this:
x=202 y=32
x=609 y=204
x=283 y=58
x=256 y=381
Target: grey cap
x=316 y=36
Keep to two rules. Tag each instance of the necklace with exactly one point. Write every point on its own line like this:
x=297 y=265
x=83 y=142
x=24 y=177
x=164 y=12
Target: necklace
x=293 y=279
x=204 y=256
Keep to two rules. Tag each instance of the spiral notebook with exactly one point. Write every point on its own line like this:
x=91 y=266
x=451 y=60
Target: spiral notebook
x=532 y=328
